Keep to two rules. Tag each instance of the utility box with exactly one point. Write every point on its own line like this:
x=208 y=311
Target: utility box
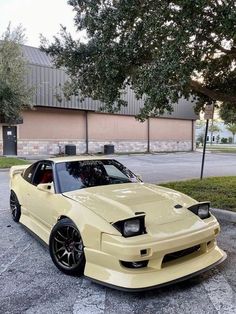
x=109 y=149
x=70 y=150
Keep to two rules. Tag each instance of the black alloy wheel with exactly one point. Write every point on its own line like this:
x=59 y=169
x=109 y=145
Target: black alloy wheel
x=15 y=207
x=66 y=248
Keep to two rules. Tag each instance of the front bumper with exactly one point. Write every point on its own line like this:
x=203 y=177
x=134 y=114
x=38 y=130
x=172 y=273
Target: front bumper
x=105 y=266
x=161 y=284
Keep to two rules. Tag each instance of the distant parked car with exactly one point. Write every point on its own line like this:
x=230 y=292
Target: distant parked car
x=101 y=220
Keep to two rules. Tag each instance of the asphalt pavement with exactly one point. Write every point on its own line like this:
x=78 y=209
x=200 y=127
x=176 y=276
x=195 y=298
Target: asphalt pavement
x=30 y=283
x=156 y=168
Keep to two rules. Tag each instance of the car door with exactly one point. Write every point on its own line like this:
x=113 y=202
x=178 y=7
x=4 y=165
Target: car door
x=25 y=186
x=41 y=203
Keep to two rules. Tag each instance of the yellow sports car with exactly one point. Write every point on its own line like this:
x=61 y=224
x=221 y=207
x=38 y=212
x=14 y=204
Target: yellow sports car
x=101 y=220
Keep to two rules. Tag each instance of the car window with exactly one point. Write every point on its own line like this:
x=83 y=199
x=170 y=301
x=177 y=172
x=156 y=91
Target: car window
x=89 y=173
x=29 y=172
x=43 y=173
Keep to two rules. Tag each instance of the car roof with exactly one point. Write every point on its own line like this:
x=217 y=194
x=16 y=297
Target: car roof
x=77 y=158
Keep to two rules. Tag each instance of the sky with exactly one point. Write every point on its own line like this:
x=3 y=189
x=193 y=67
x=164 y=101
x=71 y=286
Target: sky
x=37 y=17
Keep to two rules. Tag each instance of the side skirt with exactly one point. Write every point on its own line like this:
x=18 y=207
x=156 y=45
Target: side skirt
x=34 y=235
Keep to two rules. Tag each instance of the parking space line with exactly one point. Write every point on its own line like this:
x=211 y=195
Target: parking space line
x=8 y=257
x=16 y=246
x=6 y=266
x=2 y=211
x=220 y=293
x=91 y=299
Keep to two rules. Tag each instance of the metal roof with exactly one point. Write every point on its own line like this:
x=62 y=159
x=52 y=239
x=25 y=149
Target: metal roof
x=48 y=81
x=36 y=56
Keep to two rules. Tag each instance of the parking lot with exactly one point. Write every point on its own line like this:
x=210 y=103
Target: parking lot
x=30 y=283
x=156 y=168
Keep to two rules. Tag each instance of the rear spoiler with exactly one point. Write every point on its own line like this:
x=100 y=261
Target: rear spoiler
x=17 y=169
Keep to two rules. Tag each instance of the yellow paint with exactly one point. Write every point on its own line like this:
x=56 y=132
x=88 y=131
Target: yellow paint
x=94 y=209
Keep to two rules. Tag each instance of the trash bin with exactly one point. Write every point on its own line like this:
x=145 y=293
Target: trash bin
x=109 y=149
x=70 y=150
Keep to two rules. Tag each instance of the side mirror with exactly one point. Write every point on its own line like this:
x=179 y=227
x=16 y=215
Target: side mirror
x=46 y=187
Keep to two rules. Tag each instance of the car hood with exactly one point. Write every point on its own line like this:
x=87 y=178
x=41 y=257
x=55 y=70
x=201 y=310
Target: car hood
x=121 y=201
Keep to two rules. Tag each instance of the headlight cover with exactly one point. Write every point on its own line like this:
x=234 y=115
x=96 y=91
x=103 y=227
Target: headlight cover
x=131 y=227
x=202 y=210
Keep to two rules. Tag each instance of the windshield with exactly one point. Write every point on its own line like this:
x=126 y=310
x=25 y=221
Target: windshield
x=77 y=175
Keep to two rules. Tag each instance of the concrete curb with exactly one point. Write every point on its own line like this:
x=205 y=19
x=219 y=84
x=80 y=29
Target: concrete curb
x=224 y=214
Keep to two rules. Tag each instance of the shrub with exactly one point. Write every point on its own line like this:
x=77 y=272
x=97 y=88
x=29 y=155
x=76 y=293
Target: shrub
x=224 y=140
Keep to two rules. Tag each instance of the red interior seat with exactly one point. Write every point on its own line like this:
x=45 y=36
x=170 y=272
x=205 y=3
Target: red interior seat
x=47 y=176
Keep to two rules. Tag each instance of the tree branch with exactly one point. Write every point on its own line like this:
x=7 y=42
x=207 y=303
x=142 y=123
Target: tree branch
x=230 y=52
x=215 y=95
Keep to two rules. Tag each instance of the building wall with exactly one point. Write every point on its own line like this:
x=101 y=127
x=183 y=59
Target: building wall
x=104 y=127
x=44 y=124
x=170 y=129
x=46 y=131
x=170 y=135
x=130 y=135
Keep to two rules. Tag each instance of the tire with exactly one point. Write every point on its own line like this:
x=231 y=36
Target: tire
x=15 y=207
x=66 y=248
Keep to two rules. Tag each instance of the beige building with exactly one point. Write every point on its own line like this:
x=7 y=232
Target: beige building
x=52 y=124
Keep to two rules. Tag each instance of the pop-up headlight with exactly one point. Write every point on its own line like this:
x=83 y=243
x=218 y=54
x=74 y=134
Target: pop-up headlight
x=131 y=227
x=201 y=209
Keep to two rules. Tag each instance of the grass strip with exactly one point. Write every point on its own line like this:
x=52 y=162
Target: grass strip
x=221 y=191
x=7 y=162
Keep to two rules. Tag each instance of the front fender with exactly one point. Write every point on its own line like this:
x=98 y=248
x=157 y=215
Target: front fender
x=90 y=225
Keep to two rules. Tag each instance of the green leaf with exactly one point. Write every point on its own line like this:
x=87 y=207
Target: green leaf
x=161 y=48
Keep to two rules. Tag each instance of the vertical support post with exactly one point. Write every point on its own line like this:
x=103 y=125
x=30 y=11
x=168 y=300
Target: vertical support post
x=204 y=149
x=212 y=124
x=86 y=131
x=193 y=135
x=148 y=135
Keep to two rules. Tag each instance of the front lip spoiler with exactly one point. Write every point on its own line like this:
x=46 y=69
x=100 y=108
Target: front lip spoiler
x=162 y=284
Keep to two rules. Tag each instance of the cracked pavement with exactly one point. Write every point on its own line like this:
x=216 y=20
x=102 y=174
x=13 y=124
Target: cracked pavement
x=30 y=283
